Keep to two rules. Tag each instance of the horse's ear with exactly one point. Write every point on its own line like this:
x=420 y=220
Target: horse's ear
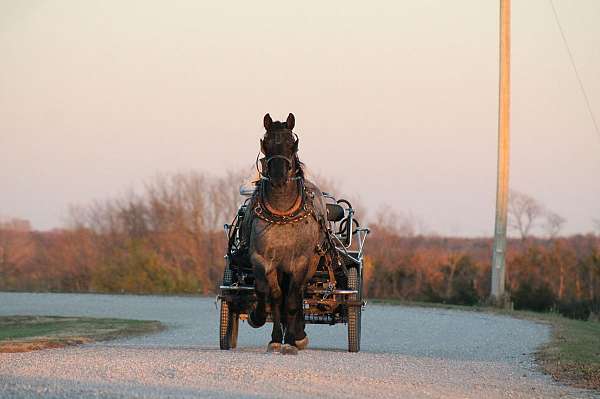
x=291 y=121
x=267 y=121
x=262 y=147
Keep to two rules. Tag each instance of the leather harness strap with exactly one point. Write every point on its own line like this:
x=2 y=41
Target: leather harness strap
x=302 y=208
x=287 y=213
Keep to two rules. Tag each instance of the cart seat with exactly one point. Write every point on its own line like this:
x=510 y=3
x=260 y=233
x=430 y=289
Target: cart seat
x=335 y=212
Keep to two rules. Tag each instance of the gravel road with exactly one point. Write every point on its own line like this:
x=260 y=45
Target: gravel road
x=406 y=352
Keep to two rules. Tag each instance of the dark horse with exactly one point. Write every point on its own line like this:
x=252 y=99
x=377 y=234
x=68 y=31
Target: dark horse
x=286 y=234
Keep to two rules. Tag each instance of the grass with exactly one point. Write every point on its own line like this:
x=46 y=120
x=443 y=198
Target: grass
x=573 y=354
x=27 y=333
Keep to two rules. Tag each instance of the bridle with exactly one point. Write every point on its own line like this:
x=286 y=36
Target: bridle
x=292 y=173
x=303 y=206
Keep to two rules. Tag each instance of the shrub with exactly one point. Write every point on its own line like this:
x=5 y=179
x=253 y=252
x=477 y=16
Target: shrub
x=138 y=269
x=534 y=296
x=579 y=310
x=463 y=284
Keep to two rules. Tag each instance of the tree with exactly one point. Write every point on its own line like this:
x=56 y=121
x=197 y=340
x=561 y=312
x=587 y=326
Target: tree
x=400 y=224
x=553 y=224
x=16 y=245
x=523 y=212
x=463 y=283
x=17 y=248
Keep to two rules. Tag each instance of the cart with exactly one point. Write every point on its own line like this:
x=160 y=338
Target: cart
x=333 y=295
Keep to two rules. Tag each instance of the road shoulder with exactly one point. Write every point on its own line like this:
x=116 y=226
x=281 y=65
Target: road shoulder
x=29 y=333
x=572 y=356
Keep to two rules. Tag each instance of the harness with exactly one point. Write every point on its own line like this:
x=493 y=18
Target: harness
x=264 y=162
x=302 y=208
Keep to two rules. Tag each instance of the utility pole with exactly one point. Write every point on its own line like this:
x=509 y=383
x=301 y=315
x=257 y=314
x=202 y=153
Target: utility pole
x=499 y=256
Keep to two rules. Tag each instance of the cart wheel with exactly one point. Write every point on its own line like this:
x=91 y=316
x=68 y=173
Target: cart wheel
x=354 y=312
x=228 y=329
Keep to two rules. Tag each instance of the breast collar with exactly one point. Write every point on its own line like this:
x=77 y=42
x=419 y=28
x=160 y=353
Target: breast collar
x=302 y=208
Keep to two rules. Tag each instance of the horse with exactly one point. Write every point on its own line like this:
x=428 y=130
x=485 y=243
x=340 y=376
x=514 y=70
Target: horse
x=286 y=236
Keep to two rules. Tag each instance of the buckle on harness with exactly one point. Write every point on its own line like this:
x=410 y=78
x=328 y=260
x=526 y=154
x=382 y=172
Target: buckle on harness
x=329 y=290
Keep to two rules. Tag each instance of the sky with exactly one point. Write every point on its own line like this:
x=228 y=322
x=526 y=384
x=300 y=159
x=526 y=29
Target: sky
x=396 y=101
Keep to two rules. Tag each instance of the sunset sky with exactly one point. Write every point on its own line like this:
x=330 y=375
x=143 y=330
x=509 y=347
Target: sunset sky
x=397 y=101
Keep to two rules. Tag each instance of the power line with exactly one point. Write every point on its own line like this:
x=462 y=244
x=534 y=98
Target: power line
x=585 y=96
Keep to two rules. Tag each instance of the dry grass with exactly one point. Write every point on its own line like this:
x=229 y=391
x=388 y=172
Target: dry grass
x=27 y=333
x=573 y=355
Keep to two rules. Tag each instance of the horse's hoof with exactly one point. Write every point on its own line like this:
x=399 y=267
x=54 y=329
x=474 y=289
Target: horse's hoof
x=274 y=347
x=289 y=350
x=252 y=322
x=303 y=343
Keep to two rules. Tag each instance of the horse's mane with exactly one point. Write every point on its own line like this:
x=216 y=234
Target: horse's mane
x=300 y=166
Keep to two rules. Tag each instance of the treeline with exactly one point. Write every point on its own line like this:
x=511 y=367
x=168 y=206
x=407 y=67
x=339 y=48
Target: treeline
x=168 y=238
x=560 y=272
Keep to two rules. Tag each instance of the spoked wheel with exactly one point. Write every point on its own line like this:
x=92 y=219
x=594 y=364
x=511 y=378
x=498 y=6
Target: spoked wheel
x=228 y=329
x=354 y=312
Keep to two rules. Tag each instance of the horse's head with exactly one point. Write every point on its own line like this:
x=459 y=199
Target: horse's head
x=280 y=147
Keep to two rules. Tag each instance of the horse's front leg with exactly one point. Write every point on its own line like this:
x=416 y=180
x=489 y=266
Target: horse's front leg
x=276 y=306
x=301 y=270
x=293 y=306
x=258 y=317
x=301 y=340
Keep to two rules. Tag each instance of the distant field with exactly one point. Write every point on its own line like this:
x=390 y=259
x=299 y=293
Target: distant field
x=27 y=333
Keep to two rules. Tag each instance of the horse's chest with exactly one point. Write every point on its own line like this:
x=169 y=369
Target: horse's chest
x=299 y=238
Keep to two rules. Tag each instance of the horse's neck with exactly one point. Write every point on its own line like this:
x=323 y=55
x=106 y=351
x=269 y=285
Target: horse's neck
x=282 y=198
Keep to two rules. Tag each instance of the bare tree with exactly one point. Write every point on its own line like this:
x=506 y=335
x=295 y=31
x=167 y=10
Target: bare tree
x=553 y=224
x=16 y=244
x=224 y=195
x=15 y=224
x=400 y=224
x=133 y=214
x=524 y=212
x=331 y=186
